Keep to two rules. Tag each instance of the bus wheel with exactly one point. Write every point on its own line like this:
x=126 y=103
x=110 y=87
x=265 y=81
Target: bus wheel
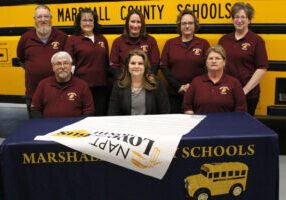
x=202 y=194
x=236 y=190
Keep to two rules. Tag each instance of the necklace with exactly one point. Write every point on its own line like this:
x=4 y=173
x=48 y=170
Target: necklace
x=136 y=90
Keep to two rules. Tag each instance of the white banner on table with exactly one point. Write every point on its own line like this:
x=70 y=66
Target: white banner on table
x=143 y=143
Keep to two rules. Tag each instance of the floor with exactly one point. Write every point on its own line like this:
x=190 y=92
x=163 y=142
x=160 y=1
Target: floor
x=13 y=115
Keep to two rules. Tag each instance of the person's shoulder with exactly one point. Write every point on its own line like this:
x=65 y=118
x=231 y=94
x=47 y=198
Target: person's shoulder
x=79 y=81
x=59 y=32
x=119 y=38
x=226 y=36
x=174 y=40
x=253 y=35
x=29 y=34
x=199 y=79
x=231 y=79
x=201 y=39
x=150 y=38
x=46 y=81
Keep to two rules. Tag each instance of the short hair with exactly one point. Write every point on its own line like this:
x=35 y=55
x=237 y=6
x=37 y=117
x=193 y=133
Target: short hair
x=143 y=32
x=77 y=28
x=61 y=54
x=249 y=10
x=42 y=7
x=149 y=81
x=217 y=49
x=179 y=18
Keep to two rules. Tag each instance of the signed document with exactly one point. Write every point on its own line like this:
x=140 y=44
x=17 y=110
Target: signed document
x=143 y=143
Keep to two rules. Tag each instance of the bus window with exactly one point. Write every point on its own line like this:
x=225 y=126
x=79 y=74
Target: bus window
x=203 y=172
x=223 y=174
x=210 y=175
x=230 y=173
x=236 y=173
x=216 y=174
x=243 y=172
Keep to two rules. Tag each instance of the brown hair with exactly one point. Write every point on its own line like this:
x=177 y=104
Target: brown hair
x=143 y=32
x=179 y=18
x=249 y=10
x=77 y=28
x=149 y=82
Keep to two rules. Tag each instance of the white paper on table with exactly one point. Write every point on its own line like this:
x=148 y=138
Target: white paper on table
x=143 y=143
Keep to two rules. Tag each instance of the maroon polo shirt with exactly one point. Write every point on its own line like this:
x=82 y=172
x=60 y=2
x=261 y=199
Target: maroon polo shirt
x=71 y=100
x=90 y=59
x=203 y=96
x=184 y=62
x=244 y=56
x=122 y=46
x=36 y=56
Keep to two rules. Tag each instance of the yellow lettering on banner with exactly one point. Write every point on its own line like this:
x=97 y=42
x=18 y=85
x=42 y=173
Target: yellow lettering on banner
x=215 y=151
x=62 y=157
x=71 y=156
x=207 y=151
x=186 y=152
x=41 y=158
x=51 y=157
x=28 y=159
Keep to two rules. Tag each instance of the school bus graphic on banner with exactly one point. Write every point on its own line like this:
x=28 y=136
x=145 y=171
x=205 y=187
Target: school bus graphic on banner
x=227 y=178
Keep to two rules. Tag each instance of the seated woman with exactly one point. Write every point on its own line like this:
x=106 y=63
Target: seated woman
x=215 y=91
x=138 y=92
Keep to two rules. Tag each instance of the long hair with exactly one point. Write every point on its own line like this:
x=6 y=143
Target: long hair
x=77 y=28
x=143 y=32
x=149 y=81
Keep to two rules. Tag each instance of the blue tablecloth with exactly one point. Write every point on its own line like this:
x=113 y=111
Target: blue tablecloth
x=35 y=170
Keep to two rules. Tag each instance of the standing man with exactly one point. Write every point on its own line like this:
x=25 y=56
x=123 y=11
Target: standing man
x=62 y=95
x=36 y=48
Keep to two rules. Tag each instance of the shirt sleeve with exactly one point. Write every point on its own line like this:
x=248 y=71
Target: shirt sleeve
x=20 y=50
x=69 y=47
x=239 y=98
x=163 y=103
x=165 y=67
x=87 y=102
x=154 y=55
x=37 y=100
x=261 y=59
x=113 y=108
x=189 y=98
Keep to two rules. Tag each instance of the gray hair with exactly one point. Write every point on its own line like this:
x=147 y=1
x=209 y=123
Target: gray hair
x=42 y=7
x=61 y=54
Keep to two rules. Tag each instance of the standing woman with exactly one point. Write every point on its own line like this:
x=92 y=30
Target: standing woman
x=215 y=91
x=246 y=54
x=134 y=37
x=183 y=58
x=89 y=50
x=138 y=92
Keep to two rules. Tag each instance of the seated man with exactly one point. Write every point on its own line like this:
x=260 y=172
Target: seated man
x=62 y=95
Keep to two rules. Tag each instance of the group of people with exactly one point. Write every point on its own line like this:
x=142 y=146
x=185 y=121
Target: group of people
x=75 y=76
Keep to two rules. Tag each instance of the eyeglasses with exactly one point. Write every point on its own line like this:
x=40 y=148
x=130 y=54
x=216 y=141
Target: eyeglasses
x=187 y=23
x=240 y=17
x=87 y=20
x=59 y=64
x=43 y=17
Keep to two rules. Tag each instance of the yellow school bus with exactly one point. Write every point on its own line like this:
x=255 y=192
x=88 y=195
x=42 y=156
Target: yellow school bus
x=217 y=179
x=214 y=16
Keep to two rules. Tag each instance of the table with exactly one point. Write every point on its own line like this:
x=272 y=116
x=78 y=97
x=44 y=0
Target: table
x=47 y=170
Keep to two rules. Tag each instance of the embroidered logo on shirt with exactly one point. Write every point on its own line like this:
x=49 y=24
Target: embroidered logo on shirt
x=144 y=48
x=245 y=46
x=55 y=45
x=197 y=51
x=101 y=44
x=71 y=96
x=223 y=89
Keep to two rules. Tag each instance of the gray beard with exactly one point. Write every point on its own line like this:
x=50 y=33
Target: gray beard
x=44 y=30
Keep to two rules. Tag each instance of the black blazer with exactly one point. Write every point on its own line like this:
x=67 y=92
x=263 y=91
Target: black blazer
x=157 y=101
